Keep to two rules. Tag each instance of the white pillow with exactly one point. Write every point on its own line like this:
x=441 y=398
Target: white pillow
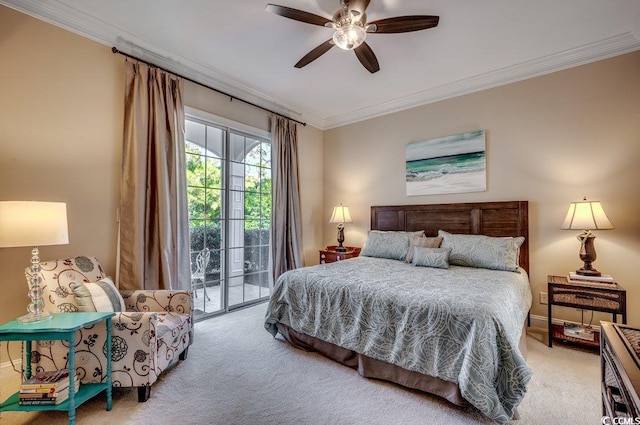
x=100 y=296
x=431 y=257
x=393 y=245
x=495 y=253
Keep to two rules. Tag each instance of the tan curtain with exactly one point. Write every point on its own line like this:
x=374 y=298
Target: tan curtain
x=154 y=231
x=286 y=222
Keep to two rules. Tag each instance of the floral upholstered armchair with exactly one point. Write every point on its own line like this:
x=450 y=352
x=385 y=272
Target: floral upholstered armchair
x=151 y=335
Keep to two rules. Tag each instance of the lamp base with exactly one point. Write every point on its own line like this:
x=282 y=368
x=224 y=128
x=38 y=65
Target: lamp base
x=587 y=254
x=33 y=318
x=341 y=248
x=588 y=272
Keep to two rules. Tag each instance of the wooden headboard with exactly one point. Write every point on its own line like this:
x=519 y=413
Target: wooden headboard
x=483 y=218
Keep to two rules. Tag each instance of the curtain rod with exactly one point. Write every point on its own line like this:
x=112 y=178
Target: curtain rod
x=115 y=50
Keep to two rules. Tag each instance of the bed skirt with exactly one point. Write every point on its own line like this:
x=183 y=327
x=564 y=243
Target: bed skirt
x=372 y=368
x=377 y=369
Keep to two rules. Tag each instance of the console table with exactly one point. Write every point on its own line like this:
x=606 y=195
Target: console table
x=62 y=326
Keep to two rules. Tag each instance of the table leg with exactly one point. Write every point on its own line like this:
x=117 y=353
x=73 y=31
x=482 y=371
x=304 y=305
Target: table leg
x=72 y=377
x=109 y=379
x=549 y=320
x=27 y=359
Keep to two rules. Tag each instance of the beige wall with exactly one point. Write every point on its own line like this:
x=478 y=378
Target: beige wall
x=550 y=140
x=61 y=115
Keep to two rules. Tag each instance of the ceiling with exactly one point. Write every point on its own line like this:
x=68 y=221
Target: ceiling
x=238 y=47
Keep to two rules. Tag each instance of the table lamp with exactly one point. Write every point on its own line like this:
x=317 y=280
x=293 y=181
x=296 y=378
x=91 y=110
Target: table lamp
x=33 y=224
x=340 y=215
x=586 y=216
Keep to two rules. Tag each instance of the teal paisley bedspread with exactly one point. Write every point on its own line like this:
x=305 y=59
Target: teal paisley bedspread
x=459 y=324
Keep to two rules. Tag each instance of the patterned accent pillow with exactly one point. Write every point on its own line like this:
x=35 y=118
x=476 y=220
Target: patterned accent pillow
x=392 y=245
x=431 y=257
x=423 y=241
x=101 y=296
x=59 y=275
x=483 y=251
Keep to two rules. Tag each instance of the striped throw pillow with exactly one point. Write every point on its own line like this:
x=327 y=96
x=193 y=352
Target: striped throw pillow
x=101 y=296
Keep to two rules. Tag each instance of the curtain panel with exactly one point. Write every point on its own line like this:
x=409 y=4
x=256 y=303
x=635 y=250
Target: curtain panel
x=154 y=230
x=286 y=221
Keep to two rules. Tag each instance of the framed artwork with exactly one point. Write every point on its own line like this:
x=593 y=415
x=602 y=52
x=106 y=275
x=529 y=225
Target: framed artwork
x=451 y=164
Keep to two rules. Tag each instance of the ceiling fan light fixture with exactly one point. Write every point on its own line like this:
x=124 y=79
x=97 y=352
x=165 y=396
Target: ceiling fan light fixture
x=350 y=36
x=351 y=28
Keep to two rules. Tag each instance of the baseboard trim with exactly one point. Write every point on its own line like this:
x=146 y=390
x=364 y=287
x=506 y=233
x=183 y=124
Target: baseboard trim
x=541 y=322
x=17 y=363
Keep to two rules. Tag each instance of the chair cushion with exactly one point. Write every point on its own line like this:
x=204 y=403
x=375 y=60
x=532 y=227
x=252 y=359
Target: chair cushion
x=99 y=296
x=58 y=277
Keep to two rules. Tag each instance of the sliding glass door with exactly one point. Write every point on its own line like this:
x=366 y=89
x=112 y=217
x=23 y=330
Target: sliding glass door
x=229 y=194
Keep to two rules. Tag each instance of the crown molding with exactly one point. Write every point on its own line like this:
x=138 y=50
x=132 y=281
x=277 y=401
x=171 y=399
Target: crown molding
x=635 y=29
x=602 y=49
x=211 y=77
x=71 y=19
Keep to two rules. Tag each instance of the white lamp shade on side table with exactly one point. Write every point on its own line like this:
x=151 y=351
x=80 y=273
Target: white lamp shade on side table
x=31 y=223
x=586 y=216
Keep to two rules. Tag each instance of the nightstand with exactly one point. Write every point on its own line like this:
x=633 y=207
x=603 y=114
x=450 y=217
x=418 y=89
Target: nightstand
x=62 y=326
x=330 y=255
x=608 y=298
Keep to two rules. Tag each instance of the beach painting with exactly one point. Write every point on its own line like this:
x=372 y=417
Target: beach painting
x=452 y=164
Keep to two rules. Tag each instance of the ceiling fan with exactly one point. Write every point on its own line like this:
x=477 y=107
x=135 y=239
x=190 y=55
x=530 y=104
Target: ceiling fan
x=350 y=23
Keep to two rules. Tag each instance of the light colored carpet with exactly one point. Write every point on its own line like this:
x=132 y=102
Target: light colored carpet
x=237 y=373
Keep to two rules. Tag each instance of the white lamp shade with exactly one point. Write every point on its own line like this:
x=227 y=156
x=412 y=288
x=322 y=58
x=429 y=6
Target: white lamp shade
x=30 y=223
x=340 y=215
x=586 y=215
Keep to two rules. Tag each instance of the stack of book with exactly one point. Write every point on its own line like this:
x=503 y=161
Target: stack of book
x=578 y=331
x=604 y=280
x=46 y=388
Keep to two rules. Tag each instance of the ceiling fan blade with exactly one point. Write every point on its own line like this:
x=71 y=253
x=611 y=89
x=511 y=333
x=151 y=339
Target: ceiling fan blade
x=359 y=5
x=315 y=54
x=367 y=58
x=404 y=24
x=297 y=15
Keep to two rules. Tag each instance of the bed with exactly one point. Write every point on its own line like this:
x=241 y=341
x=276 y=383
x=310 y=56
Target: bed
x=456 y=331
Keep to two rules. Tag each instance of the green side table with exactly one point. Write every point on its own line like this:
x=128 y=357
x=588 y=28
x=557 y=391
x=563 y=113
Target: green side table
x=62 y=326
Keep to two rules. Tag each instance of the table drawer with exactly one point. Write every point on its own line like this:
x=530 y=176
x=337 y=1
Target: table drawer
x=586 y=298
x=330 y=255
